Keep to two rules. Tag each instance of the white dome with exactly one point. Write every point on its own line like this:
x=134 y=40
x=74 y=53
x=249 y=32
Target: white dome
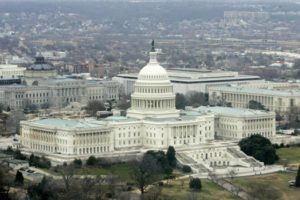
x=153 y=70
x=153 y=93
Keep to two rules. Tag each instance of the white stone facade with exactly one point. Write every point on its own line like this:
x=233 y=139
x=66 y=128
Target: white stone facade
x=281 y=101
x=91 y=137
x=11 y=71
x=238 y=123
x=58 y=93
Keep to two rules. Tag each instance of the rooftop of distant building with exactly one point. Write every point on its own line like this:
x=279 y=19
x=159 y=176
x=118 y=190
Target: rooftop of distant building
x=242 y=112
x=246 y=90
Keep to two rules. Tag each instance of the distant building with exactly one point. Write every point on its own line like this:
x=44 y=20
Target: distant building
x=238 y=16
x=44 y=88
x=278 y=100
x=11 y=74
x=40 y=69
x=58 y=92
x=188 y=80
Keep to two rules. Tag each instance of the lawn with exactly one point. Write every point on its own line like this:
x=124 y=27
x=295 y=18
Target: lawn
x=210 y=191
x=291 y=155
x=121 y=169
x=277 y=180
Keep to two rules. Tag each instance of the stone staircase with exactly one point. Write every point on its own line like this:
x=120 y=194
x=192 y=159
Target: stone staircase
x=244 y=158
x=183 y=159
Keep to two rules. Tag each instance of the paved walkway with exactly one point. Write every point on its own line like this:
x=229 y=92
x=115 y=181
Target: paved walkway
x=232 y=188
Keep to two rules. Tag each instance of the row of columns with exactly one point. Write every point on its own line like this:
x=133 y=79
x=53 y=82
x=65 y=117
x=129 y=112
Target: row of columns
x=67 y=91
x=184 y=131
x=245 y=98
x=154 y=104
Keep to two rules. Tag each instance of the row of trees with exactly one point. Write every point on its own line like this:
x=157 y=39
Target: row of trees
x=194 y=99
x=40 y=162
x=152 y=167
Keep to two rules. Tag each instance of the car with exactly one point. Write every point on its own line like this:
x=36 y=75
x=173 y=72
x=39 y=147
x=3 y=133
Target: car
x=23 y=168
x=30 y=171
x=292 y=183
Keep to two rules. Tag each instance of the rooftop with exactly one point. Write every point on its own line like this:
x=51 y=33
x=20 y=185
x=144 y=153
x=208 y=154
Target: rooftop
x=196 y=75
x=230 y=111
x=272 y=92
x=40 y=64
x=117 y=118
x=9 y=66
x=68 y=123
x=185 y=116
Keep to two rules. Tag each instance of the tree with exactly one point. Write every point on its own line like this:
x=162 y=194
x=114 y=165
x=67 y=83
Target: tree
x=5 y=182
x=180 y=101
x=39 y=162
x=162 y=161
x=197 y=99
x=186 y=169
x=19 y=156
x=77 y=163
x=195 y=183
x=67 y=172
x=192 y=195
x=19 y=179
x=171 y=156
x=297 y=64
x=256 y=105
x=232 y=173
x=145 y=172
x=94 y=106
x=260 y=148
x=263 y=192
x=124 y=102
x=42 y=191
x=91 y=161
x=297 y=183
x=1 y=108
x=154 y=193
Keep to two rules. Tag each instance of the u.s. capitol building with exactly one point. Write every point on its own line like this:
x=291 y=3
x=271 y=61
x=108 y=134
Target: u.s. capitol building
x=152 y=122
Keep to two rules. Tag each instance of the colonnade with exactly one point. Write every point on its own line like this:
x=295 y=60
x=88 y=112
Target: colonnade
x=154 y=104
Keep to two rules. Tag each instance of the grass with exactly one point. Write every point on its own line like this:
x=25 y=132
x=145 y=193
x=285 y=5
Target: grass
x=291 y=155
x=120 y=169
x=277 y=180
x=210 y=191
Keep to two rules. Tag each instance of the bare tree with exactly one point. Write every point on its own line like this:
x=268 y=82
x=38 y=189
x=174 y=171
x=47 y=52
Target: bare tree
x=5 y=182
x=263 y=192
x=153 y=193
x=182 y=183
x=144 y=172
x=236 y=190
x=67 y=173
x=193 y=195
x=213 y=176
x=231 y=174
x=112 y=180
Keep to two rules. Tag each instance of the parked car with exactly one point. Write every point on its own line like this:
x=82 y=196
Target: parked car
x=292 y=183
x=23 y=168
